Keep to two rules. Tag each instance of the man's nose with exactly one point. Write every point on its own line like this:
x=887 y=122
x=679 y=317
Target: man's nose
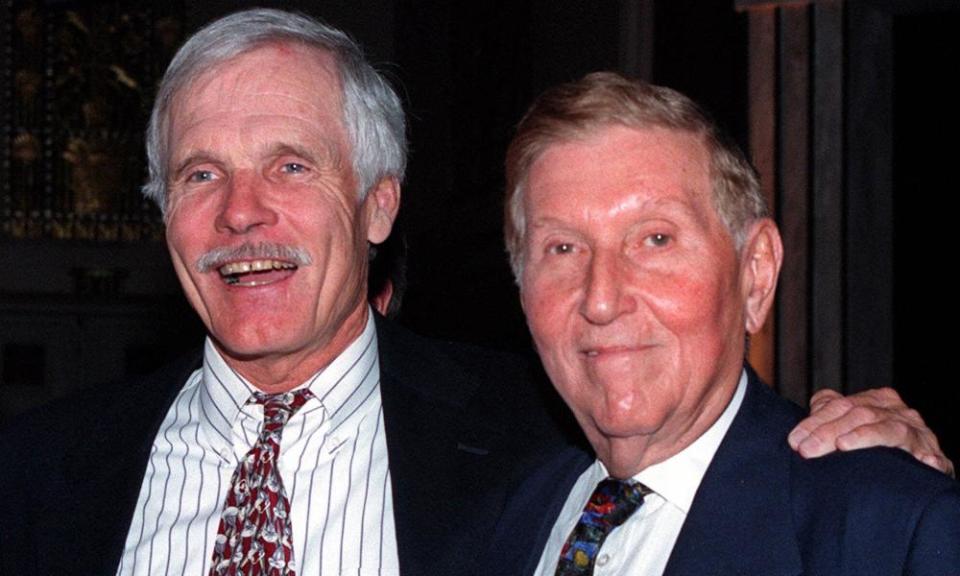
x=245 y=205
x=607 y=293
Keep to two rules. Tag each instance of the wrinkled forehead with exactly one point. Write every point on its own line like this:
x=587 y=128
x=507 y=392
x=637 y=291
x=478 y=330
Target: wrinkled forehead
x=306 y=78
x=620 y=160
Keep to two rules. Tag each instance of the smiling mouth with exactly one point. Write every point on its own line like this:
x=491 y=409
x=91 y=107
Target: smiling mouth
x=256 y=272
x=613 y=350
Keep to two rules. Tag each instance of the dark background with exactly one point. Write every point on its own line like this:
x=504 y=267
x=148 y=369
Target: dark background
x=76 y=312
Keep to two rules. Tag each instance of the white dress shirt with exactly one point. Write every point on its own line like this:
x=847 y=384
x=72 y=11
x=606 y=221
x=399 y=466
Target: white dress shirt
x=643 y=543
x=333 y=462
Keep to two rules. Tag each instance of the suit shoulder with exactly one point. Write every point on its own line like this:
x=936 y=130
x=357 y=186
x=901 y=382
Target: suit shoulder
x=876 y=510
x=399 y=346
x=503 y=390
x=873 y=473
x=454 y=373
x=98 y=409
x=880 y=509
x=889 y=508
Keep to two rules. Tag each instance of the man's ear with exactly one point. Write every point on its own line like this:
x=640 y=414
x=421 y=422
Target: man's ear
x=761 y=258
x=382 y=204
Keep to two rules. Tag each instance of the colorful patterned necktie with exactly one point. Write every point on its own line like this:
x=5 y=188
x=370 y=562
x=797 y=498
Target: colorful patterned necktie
x=609 y=506
x=255 y=531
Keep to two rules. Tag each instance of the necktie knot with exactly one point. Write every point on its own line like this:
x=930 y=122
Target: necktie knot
x=278 y=408
x=614 y=501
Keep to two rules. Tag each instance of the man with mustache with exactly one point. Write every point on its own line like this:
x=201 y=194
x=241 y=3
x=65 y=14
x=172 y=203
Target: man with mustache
x=310 y=436
x=645 y=258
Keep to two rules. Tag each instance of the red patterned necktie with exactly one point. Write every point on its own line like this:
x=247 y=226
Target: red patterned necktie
x=609 y=506
x=255 y=531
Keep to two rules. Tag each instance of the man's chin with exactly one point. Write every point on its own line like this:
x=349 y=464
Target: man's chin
x=627 y=430
x=247 y=349
x=620 y=427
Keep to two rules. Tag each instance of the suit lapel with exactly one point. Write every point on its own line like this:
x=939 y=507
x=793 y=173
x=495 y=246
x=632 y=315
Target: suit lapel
x=444 y=458
x=88 y=517
x=740 y=521
x=531 y=512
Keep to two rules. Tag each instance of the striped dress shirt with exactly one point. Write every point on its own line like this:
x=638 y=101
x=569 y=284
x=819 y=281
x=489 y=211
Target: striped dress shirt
x=333 y=461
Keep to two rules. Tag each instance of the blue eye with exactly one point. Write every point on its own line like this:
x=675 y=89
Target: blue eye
x=201 y=176
x=294 y=168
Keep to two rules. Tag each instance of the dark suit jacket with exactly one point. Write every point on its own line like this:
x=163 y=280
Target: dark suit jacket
x=763 y=510
x=73 y=471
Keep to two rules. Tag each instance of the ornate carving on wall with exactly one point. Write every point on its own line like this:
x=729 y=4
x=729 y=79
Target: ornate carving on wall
x=76 y=83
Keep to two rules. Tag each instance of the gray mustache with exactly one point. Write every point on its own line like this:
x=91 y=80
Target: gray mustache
x=217 y=257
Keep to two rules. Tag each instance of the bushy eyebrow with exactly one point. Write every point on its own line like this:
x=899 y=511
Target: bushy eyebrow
x=325 y=154
x=199 y=157
x=292 y=150
x=548 y=222
x=329 y=156
x=670 y=204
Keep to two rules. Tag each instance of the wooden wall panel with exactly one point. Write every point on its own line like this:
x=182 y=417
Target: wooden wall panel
x=763 y=107
x=793 y=136
x=827 y=258
x=636 y=38
x=869 y=209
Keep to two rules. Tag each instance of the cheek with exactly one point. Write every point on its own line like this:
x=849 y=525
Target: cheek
x=551 y=318
x=328 y=220
x=179 y=245
x=700 y=315
x=188 y=224
x=682 y=294
x=554 y=283
x=546 y=306
x=186 y=203
x=679 y=302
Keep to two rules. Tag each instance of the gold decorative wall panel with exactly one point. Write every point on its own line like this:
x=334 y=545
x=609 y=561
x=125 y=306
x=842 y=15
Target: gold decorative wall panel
x=76 y=86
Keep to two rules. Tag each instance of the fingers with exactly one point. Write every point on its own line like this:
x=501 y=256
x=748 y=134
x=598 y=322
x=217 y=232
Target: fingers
x=893 y=433
x=837 y=419
x=922 y=446
x=825 y=406
x=871 y=418
x=941 y=463
x=823 y=397
x=909 y=434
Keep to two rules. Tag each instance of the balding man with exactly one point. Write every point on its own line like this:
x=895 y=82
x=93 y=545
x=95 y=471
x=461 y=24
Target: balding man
x=644 y=255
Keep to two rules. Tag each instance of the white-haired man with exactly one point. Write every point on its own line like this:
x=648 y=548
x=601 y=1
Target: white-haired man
x=276 y=154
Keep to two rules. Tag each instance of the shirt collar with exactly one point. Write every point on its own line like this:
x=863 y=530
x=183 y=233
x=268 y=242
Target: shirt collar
x=223 y=392
x=677 y=478
x=340 y=387
x=352 y=376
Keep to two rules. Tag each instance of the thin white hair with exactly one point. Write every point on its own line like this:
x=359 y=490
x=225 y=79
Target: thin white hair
x=372 y=113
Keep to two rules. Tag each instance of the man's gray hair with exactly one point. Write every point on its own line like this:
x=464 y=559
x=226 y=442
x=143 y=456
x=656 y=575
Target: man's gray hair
x=372 y=113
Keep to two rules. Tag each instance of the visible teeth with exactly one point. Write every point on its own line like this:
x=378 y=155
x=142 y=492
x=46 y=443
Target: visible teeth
x=254 y=266
x=591 y=352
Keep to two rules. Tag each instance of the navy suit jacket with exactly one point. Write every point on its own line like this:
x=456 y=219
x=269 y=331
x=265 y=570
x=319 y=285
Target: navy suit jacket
x=72 y=472
x=763 y=510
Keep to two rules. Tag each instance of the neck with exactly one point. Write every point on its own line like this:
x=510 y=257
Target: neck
x=283 y=372
x=625 y=457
